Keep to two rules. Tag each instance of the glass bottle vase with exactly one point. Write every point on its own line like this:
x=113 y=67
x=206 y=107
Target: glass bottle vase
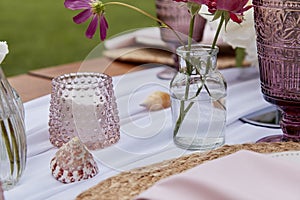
x=13 y=140
x=198 y=93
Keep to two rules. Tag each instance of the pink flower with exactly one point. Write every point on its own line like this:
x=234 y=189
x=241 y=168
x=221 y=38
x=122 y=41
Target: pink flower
x=91 y=9
x=236 y=8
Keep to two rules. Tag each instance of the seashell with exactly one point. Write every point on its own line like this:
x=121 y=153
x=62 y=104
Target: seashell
x=73 y=162
x=157 y=101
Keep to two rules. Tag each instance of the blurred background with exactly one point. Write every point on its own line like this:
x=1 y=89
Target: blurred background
x=42 y=33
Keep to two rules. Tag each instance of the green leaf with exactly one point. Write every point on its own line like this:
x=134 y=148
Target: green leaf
x=226 y=16
x=240 y=55
x=217 y=15
x=194 y=8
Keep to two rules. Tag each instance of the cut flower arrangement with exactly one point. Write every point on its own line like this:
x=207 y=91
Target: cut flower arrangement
x=197 y=81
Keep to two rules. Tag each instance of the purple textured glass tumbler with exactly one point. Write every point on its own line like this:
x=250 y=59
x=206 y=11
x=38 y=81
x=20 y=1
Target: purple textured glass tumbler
x=83 y=104
x=177 y=16
x=278 y=46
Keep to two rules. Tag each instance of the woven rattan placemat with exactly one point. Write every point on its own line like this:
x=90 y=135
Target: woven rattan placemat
x=127 y=185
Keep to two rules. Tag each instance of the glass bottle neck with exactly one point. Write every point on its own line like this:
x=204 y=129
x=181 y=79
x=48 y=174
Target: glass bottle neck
x=199 y=59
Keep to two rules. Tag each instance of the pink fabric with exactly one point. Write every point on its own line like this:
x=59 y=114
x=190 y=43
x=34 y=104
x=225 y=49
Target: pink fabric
x=244 y=175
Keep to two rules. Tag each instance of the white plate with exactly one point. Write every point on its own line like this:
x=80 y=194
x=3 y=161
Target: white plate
x=293 y=156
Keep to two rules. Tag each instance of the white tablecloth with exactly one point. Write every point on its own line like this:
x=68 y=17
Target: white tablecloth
x=145 y=137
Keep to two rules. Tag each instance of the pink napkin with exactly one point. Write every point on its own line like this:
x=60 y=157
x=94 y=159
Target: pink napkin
x=244 y=175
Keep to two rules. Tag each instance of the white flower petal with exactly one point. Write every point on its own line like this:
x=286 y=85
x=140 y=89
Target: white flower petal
x=3 y=50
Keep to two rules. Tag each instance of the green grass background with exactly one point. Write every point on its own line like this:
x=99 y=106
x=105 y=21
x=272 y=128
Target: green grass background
x=42 y=33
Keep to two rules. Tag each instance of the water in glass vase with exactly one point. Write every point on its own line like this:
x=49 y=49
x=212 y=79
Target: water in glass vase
x=203 y=126
x=12 y=150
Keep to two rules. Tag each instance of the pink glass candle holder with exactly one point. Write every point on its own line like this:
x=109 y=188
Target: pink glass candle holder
x=83 y=105
x=278 y=45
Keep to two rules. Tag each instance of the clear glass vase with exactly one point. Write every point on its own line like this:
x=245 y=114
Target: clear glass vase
x=13 y=147
x=198 y=93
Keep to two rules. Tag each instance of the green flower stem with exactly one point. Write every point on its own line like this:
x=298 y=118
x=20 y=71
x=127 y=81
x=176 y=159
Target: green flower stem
x=218 y=32
x=15 y=145
x=189 y=68
x=182 y=116
x=7 y=145
x=222 y=20
x=163 y=24
x=190 y=39
x=13 y=151
x=191 y=30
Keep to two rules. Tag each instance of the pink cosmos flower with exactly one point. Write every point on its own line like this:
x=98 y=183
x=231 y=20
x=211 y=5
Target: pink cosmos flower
x=93 y=9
